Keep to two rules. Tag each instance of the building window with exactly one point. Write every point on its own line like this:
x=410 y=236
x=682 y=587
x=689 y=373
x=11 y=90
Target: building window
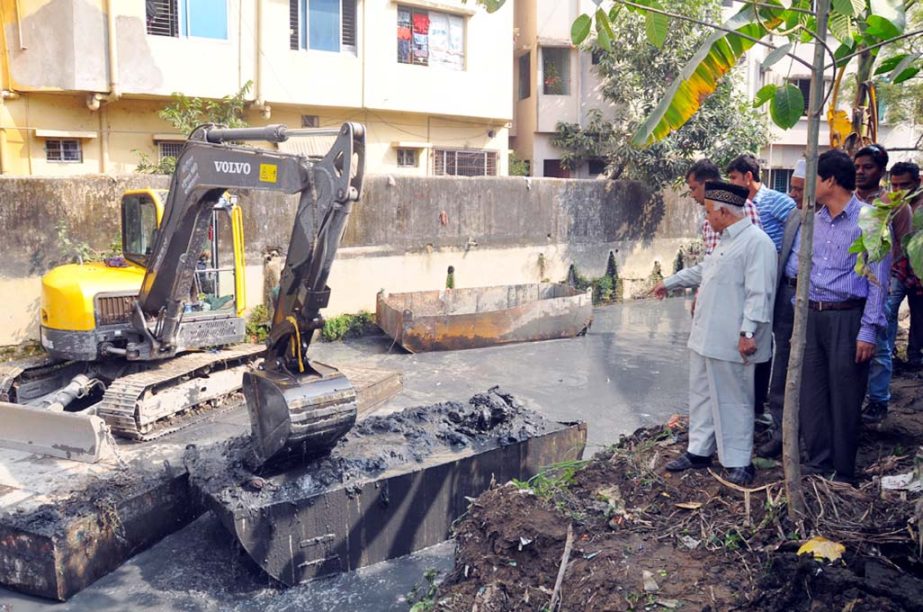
x=448 y=162
x=430 y=38
x=556 y=71
x=407 y=158
x=596 y=56
x=196 y=18
x=310 y=121
x=65 y=150
x=779 y=179
x=322 y=25
x=552 y=168
x=525 y=76
x=595 y=167
x=168 y=148
x=805 y=86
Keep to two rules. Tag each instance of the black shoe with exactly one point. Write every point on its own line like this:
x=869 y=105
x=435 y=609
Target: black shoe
x=875 y=412
x=688 y=461
x=741 y=475
x=771 y=449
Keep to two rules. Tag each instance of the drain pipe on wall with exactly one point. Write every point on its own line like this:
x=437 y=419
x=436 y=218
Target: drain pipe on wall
x=95 y=100
x=259 y=103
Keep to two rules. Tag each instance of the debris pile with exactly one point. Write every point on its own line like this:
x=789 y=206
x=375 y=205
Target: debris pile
x=617 y=532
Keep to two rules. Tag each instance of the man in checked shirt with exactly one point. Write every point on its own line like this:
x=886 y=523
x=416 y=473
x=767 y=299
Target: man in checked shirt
x=846 y=311
x=699 y=172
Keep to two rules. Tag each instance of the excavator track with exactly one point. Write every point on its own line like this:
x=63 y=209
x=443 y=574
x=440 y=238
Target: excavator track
x=35 y=375
x=143 y=406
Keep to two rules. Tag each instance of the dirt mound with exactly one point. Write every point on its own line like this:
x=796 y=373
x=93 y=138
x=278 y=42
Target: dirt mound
x=625 y=534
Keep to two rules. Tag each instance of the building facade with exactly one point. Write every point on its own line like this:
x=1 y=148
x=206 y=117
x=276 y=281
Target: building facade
x=557 y=82
x=82 y=81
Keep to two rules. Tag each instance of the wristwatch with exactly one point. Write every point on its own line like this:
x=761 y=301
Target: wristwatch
x=747 y=335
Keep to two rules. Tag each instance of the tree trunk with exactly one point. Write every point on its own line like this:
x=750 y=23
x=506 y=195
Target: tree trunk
x=791 y=460
x=862 y=122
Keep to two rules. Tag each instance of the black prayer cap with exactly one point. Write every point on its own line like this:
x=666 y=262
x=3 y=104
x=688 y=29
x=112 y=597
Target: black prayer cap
x=726 y=193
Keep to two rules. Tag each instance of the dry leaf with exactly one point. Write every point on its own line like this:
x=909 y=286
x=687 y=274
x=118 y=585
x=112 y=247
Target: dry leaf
x=822 y=548
x=689 y=505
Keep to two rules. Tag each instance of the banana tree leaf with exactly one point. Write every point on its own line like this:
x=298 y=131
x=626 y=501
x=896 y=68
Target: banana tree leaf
x=700 y=76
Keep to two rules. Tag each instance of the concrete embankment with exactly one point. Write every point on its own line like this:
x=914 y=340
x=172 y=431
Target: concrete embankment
x=403 y=235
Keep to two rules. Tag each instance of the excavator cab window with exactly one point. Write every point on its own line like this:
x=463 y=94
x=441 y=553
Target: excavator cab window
x=139 y=227
x=215 y=285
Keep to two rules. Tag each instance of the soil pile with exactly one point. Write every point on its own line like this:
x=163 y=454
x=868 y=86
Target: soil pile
x=618 y=532
x=375 y=445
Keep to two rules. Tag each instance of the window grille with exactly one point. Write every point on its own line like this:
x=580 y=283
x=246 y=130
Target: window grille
x=780 y=179
x=556 y=71
x=170 y=148
x=162 y=18
x=310 y=121
x=407 y=158
x=448 y=162
x=63 y=151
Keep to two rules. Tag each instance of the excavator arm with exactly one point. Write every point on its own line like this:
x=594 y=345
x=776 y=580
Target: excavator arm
x=295 y=406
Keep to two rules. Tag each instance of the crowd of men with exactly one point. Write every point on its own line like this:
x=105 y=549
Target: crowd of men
x=744 y=312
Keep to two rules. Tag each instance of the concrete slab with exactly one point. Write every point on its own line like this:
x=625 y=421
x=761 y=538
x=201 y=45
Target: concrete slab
x=63 y=524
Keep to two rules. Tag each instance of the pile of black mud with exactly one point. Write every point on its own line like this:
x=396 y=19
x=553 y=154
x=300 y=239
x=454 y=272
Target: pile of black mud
x=619 y=532
x=374 y=446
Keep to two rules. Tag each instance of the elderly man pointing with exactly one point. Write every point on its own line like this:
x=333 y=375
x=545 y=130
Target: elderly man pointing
x=730 y=333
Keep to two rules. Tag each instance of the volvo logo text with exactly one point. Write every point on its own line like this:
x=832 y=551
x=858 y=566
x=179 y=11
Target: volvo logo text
x=232 y=167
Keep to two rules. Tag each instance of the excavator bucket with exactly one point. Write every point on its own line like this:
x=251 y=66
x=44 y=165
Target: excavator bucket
x=69 y=435
x=297 y=415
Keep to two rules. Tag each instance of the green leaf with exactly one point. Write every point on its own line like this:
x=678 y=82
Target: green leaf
x=879 y=27
x=604 y=33
x=913 y=248
x=764 y=95
x=850 y=8
x=918 y=219
x=840 y=27
x=580 y=29
x=699 y=78
x=787 y=106
x=889 y=64
x=858 y=245
x=905 y=69
x=656 y=25
x=776 y=54
x=843 y=50
x=891 y=11
x=492 y=6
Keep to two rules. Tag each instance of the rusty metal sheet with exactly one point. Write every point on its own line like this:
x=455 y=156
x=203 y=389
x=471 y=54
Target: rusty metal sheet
x=352 y=525
x=455 y=319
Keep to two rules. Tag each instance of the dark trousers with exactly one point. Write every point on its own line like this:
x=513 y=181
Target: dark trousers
x=832 y=389
x=761 y=376
x=915 y=341
x=782 y=322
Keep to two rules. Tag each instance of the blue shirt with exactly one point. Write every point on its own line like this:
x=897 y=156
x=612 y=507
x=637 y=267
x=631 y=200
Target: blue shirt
x=773 y=207
x=833 y=278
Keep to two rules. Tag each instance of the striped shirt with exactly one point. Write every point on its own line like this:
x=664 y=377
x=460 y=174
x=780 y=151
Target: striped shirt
x=710 y=237
x=833 y=278
x=774 y=207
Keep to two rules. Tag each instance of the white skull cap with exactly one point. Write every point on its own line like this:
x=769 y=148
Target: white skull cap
x=799 y=168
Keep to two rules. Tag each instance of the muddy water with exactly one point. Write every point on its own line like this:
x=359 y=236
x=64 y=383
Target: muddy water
x=629 y=370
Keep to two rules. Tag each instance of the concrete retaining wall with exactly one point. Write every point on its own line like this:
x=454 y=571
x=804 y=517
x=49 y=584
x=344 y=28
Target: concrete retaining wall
x=402 y=236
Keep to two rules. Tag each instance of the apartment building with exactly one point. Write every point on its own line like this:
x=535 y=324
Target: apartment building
x=553 y=82
x=556 y=82
x=82 y=81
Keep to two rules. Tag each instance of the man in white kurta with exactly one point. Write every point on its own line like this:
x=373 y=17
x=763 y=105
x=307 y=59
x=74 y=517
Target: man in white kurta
x=731 y=332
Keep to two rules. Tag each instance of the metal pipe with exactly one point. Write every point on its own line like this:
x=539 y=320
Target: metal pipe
x=112 y=39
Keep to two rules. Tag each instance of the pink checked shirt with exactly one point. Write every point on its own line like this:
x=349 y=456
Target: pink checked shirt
x=710 y=237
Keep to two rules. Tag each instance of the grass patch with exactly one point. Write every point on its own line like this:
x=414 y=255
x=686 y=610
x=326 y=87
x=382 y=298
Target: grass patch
x=349 y=326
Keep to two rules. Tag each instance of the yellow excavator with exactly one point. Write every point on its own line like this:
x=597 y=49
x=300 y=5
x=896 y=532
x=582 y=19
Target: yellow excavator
x=137 y=343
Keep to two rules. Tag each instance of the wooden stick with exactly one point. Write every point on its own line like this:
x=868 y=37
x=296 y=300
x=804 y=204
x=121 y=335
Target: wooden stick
x=556 y=594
